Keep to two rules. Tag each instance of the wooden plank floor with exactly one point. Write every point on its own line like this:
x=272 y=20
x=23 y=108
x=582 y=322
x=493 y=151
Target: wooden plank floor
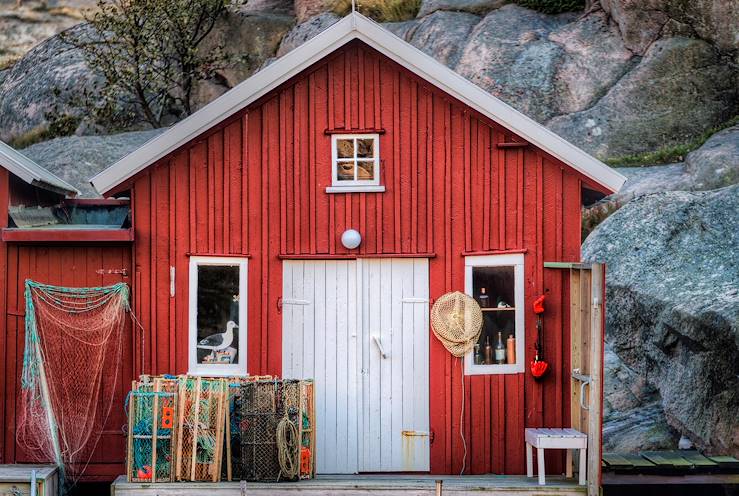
x=359 y=485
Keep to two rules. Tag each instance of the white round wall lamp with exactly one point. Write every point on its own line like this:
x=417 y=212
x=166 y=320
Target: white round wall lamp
x=351 y=239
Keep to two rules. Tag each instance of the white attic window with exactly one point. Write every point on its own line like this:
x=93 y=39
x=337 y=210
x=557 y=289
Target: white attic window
x=355 y=163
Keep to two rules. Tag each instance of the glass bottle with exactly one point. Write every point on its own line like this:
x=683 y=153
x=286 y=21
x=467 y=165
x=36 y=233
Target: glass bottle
x=478 y=355
x=488 y=351
x=499 y=349
x=483 y=298
x=511 y=349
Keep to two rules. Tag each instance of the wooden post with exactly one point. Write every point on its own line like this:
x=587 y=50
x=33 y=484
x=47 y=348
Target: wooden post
x=196 y=424
x=129 y=441
x=154 y=428
x=595 y=404
x=181 y=388
x=229 y=469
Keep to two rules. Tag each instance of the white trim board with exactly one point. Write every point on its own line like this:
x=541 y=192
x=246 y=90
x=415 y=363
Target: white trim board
x=356 y=26
x=31 y=172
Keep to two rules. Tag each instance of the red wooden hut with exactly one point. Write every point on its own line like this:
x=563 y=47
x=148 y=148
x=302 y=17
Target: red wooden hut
x=303 y=224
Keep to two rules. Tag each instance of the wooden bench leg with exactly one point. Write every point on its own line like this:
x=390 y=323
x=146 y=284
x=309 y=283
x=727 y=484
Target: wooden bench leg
x=568 y=464
x=540 y=465
x=529 y=460
x=581 y=473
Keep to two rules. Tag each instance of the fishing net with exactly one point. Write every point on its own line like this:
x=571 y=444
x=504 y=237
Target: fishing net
x=73 y=347
x=201 y=428
x=231 y=464
x=152 y=417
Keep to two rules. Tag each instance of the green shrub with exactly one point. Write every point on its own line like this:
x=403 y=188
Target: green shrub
x=669 y=154
x=58 y=127
x=552 y=6
x=381 y=10
x=595 y=214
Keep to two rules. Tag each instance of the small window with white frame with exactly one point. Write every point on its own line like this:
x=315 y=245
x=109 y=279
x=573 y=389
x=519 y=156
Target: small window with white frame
x=218 y=303
x=355 y=163
x=496 y=283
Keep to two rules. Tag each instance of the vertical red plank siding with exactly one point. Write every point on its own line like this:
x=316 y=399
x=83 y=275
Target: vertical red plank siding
x=255 y=186
x=73 y=266
x=5 y=338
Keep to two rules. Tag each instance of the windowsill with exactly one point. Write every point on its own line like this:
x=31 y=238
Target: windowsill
x=355 y=189
x=508 y=368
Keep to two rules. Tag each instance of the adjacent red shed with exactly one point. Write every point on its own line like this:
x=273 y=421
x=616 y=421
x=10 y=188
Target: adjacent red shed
x=304 y=223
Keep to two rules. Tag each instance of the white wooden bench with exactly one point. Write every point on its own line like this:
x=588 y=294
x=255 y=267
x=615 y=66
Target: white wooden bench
x=567 y=439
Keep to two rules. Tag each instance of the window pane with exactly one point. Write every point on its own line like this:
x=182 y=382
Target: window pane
x=218 y=314
x=345 y=148
x=366 y=170
x=493 y=288
x=365 y=148
x=496 y=283
x=345 y=171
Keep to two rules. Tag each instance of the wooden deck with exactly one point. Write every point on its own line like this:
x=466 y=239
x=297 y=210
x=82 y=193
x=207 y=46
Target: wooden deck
x=356 y=485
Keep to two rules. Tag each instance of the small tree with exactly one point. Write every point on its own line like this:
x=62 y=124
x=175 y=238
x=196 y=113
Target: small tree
x=150 y=56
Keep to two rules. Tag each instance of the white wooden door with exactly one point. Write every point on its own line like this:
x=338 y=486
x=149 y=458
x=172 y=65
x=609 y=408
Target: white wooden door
x=360 y=329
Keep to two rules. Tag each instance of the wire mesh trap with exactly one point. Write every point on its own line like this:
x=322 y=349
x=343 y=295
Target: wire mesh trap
x=152 y=416
x=271 y=430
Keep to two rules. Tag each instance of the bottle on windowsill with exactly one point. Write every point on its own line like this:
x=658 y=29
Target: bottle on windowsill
x=500 y=349
x=511 y=349
x=483 y=298
x=488 y=351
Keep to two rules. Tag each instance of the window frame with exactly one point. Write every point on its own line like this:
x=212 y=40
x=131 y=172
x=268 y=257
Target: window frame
x=195 y=368
x=355 y=185
x=515 y=260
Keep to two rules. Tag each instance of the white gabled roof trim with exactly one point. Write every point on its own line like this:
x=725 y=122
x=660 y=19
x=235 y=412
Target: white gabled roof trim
x=31 y=172
x=356 y=26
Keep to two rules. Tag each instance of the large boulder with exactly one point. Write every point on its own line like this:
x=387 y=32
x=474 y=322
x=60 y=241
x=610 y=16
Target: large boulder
x=673 y=305
x=52 y=81
x=40 y=86
x=680 y=88
x=594 y=58
x=305 y=9
x=716 y=163
x=633 y=418
x=250 y=37
x=509 y=55
x=442 y=35
x=76 y=159
x=305 y=31
x=642 y=22
x=479 y=7
x=23 y=27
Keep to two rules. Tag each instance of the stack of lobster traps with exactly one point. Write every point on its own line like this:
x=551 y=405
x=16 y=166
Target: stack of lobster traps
x=189 y=428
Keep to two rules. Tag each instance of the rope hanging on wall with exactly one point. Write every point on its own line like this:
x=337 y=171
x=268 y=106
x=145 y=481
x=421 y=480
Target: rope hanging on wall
x=73 y=335
x=456 y=320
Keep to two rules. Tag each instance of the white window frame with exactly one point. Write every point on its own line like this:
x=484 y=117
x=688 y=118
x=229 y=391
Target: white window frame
x=196 y=368
x=515 y=260
x=357 y=185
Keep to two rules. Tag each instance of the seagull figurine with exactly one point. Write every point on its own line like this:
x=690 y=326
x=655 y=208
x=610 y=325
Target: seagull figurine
x=220 y=341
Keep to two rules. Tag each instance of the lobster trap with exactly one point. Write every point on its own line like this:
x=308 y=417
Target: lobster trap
x=202 y=404
x=152 y=425
x=272 y=427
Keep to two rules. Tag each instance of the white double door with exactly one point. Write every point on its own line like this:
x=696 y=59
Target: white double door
x=360 y=329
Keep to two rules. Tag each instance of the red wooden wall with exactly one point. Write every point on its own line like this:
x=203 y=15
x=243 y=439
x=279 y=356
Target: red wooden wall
x=74 y=266
x=254 y=186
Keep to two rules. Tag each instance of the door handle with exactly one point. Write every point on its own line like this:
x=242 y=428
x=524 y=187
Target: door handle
x=379 y=346
x=584 y=381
